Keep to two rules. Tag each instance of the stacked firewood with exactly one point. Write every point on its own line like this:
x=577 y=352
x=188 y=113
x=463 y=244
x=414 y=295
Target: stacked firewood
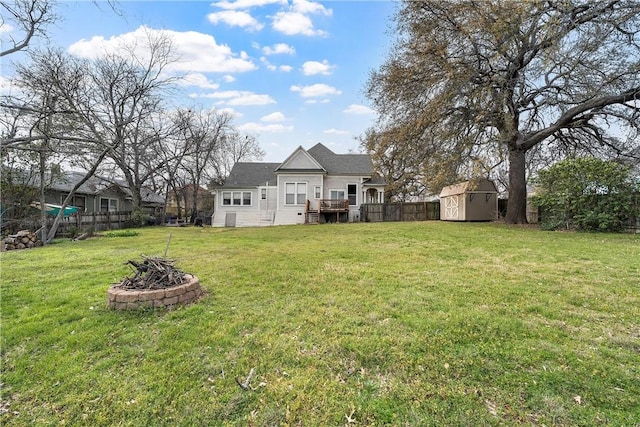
x=23 y=239
x=153 y=273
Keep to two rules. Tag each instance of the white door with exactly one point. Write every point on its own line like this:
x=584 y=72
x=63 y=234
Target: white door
x=451 y=207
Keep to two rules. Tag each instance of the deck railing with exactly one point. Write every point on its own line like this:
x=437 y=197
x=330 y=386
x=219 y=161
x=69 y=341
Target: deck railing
x=334 y=205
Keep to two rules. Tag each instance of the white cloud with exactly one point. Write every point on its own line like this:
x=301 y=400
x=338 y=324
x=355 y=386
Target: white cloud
x=296 y=19
x=235 y=18
x=246 y=4
x=228 y=78
x=310 y=68
x=358 y=109
x=6 y=28
x=316 y=90
x=258 y=128
x=196 y=52
x=272 y=67
x=279 y=48
x=308 y=7
x=199 y=80
x=292 y=23
x=230 y=111
x=316 y=101
x=237 y=97
x=273 y=117
x=336 y=132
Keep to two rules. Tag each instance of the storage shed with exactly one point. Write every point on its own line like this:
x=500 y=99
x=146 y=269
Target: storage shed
x=473 y=200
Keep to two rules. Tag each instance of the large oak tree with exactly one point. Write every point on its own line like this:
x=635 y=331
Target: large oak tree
x=470 y=82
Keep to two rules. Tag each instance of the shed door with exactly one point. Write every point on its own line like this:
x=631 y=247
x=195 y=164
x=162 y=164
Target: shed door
x=451 y=207
x=230 y=219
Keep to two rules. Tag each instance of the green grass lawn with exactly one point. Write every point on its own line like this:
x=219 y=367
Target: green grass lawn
x=427 y=323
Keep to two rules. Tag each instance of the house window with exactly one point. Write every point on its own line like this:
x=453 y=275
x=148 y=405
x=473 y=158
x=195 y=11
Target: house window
x=263 y=194
x=295 y=193
x=316 y=191
x=78 y=201
x=108 y=205
x=352 y=190
x=236 y=198
x=337 y=194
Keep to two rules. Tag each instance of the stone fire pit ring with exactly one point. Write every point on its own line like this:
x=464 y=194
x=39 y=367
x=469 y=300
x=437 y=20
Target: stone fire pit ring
x=133 y=299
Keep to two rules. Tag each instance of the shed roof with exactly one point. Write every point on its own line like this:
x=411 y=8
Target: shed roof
x=478 y=185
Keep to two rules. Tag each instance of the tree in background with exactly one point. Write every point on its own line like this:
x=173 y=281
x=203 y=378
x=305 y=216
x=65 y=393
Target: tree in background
x=470 y=86
x=28 y=18
x=101 y=109
x=586 y=194
x=203 y=148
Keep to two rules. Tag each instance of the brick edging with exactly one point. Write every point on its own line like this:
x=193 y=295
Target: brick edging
x=132 y=299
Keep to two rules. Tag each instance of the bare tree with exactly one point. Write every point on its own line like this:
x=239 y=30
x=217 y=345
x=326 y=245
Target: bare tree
x=237 y=147
x=475 y=83
x=31 y=18
x=130 y=90
x=100 y=106
x=201 y=151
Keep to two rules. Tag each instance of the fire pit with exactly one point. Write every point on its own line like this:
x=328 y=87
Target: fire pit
x=156 y=283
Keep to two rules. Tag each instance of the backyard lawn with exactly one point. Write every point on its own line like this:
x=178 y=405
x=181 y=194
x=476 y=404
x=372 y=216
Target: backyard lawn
x=402 y=324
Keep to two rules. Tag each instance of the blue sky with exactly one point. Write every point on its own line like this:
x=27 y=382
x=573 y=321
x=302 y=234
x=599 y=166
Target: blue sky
x=292 y=72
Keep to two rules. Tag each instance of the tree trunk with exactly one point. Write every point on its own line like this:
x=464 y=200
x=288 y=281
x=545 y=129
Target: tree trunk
x=517 y=205
x=43 y=206
x=194 y=203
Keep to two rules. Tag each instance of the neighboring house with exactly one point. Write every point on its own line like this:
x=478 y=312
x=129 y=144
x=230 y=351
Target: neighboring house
x=310 y=186
x=99 y=195
x=185 y=193
x=474 y=200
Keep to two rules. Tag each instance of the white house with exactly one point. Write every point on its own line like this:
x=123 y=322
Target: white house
x=310 y=186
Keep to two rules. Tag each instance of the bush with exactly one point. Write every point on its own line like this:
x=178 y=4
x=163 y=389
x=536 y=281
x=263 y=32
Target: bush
x=138 y=218
x=587 y=194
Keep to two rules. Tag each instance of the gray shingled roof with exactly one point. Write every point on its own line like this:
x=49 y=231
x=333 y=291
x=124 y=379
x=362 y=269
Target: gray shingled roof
x=245 y=174
x=341 y=164
x=94 y=185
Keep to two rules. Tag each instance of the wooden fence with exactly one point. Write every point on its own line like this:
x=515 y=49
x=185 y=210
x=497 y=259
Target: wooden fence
x=98 y=221
x=416 y=211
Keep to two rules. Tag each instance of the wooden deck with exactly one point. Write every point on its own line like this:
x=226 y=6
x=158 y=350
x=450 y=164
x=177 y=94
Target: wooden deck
x=334 y=205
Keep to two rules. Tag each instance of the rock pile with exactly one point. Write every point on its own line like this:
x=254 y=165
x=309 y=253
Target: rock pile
x=23 y=239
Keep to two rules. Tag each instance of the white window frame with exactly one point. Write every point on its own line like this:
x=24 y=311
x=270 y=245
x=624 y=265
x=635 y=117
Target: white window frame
x=355 y=195
x=336 y=192
x=236 y=198
x=299 y=193
x=112 y=204
x=317 y=192
x=226 y=198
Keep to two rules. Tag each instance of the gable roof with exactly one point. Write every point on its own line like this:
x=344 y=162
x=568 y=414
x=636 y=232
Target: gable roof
x=478 y=185
x=342 y=164
x=247 y=174
x=318 y=159
x=300 y=160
